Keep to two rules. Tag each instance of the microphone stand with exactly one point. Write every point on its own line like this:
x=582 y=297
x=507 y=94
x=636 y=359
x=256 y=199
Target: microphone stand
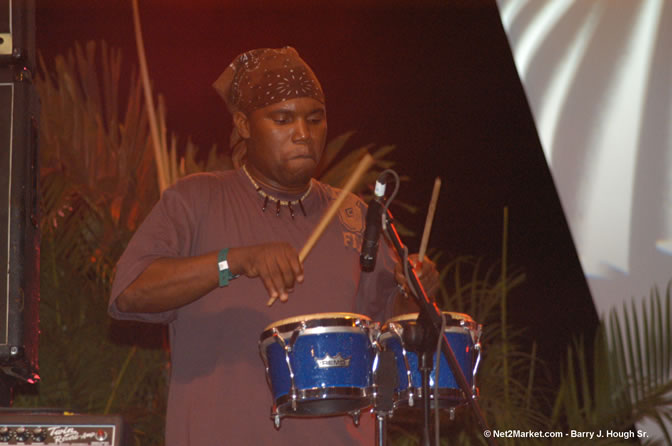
x=386 y=379
x=430 y=320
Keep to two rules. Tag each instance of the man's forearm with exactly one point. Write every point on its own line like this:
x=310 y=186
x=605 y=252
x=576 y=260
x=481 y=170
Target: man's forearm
x=170 y=283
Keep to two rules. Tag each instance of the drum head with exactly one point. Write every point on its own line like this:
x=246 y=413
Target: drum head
x=411 y=317
x=316 y=320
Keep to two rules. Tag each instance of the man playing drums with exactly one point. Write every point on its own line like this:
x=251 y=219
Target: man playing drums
x=218 y=245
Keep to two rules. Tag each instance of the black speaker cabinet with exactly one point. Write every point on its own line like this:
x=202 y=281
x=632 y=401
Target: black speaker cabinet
x=17 y=32
x=19 y=224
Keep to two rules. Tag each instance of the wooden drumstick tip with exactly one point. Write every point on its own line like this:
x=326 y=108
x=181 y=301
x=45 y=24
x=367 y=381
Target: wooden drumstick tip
x=428 y=223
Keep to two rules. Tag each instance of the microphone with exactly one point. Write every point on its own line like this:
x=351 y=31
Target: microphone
x=367 y=258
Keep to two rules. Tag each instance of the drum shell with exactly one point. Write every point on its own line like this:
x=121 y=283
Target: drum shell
x=463 y=335
x=319 y=364
x=346 y=344
x=462 y=346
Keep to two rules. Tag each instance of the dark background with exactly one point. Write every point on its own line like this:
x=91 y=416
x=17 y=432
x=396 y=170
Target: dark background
x=435 y=78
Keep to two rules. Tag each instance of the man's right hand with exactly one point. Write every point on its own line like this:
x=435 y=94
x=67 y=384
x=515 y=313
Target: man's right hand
x=170 y=283
x=276 y=264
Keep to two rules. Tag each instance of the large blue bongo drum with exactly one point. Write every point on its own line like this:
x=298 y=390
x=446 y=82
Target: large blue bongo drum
x=319 y=364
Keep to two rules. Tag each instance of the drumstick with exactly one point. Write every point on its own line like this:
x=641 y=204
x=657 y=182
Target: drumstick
x=428 y=222
x=363 y=166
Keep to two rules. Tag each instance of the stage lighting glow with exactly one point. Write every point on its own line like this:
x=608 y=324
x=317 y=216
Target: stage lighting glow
x=599 y=197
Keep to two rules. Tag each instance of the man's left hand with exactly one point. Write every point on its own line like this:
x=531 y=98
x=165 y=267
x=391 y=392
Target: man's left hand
x=427 y=274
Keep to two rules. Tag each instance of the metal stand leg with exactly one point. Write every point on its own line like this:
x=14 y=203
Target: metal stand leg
x=425 y=370
x=386 y=379
x=381 y=429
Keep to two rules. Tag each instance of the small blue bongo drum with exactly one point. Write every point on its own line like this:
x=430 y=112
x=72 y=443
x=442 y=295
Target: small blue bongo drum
x=462 y=333
x=319 y=364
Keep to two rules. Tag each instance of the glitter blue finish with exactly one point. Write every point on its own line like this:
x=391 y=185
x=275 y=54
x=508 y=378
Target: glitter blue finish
x=308 y=348
x=462 y=346
x=462 y=343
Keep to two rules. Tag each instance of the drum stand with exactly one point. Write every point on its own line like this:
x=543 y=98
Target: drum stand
x=426 y=367
x=386 y=380
x=430 y=319
x=423 y=342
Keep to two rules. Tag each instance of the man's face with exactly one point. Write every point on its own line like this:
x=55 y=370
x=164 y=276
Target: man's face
x=285 y=141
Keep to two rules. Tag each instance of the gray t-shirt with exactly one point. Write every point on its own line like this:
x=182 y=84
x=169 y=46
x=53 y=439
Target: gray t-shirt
x=218 y=389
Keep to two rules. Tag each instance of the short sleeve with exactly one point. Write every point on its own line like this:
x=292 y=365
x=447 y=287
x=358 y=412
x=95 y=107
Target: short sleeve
x=167 y=231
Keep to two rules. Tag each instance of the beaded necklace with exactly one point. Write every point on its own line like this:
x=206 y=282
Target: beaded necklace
x=277 y=201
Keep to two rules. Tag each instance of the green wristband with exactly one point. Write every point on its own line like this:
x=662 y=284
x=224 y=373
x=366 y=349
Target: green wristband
x=223 y=267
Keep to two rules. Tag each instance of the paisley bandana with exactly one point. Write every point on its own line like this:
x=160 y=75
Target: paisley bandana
x=261 y=77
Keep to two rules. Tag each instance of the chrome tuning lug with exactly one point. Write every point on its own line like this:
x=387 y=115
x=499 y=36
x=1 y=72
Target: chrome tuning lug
x=355 y=417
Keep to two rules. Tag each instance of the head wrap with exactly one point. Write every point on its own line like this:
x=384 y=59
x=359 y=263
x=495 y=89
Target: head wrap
x=265 y=76
x=259 y=78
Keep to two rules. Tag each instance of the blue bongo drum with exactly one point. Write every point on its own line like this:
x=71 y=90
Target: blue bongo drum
x=462 y=333
x=319 y=364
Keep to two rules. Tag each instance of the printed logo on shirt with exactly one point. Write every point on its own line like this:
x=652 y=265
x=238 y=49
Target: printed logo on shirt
x=351 y=215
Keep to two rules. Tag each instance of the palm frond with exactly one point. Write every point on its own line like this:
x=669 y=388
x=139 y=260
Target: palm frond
x=97 y=184
x=629 y=378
